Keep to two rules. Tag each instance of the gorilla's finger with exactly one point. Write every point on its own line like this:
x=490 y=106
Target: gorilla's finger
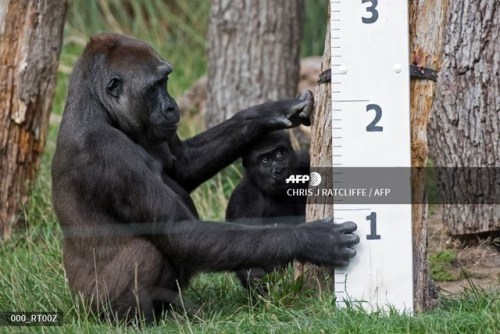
x=306 y=95
x=298 y=108
x=347 y=227
x=350 y=239
x=341 y=263
x=328 y=220
x=349 y=253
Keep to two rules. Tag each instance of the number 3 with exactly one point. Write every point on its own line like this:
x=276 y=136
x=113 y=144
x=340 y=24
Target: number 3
x=372 y=10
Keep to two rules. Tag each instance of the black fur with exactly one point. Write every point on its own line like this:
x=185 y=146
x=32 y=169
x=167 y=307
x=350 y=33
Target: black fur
x=122 y=177
x=261 y=196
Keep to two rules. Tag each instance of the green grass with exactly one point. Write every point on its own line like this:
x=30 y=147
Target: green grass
x=31 y=273
x=32 y=278
x=441 y=266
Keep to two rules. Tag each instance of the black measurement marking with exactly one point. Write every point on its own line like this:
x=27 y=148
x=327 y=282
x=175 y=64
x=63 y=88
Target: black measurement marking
x=372 y=10
x=350 y=100
x=373 y=127
x=373 y=227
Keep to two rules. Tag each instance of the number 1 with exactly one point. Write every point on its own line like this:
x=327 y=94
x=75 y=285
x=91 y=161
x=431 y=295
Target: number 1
x=373 y=227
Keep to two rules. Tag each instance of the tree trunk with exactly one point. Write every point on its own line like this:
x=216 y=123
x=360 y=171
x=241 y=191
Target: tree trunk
x=253 y=54
x=427 y=20
x=465 y=124
x=321 y=156
x=30 y=43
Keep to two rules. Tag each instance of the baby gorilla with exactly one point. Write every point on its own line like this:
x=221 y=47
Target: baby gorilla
x=261 y=197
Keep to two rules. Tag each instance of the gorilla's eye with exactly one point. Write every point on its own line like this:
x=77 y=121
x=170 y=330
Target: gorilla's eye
x=114 y=87
x=279 y=154
x=265 y=160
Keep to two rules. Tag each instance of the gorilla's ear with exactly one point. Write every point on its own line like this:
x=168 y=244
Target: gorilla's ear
x=114 y=87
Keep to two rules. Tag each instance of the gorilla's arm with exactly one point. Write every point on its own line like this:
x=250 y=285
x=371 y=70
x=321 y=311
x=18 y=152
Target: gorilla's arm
x=204 y=245
x=150 y=209
x=199 y=158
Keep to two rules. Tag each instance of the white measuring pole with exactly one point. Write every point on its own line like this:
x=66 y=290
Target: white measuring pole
x=371 y=128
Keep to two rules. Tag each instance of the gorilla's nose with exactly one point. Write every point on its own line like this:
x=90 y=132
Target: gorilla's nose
x=170 y=107
x=278 y=170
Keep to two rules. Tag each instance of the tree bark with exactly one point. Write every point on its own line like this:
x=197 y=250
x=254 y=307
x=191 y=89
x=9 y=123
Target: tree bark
x=465 y=124
x=321 y=156
x=30 y=43
x=253 y=54
x=427 y=20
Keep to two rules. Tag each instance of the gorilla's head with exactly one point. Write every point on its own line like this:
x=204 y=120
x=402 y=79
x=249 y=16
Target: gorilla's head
x=269 y=161
x=131 y=82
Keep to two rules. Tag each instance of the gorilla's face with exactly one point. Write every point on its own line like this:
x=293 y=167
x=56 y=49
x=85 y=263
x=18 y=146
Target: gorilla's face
x=136 y=92
x=271 y=167
x=162 y=109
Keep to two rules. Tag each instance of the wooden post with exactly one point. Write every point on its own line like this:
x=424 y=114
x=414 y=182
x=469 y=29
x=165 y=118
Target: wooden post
x=427 y=20
x=321 y=156
x=30 y=43
x=427 y=23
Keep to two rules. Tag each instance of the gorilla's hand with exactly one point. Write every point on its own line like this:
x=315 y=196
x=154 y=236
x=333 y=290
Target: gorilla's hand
x=280 y=114
x=296 y=111
x=326 y=243
x=301 y=112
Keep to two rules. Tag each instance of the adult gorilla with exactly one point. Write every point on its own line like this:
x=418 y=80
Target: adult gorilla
x=122 y=178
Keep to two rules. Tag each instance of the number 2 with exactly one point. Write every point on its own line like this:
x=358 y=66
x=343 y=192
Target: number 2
x=373 y=127
x=372 y=9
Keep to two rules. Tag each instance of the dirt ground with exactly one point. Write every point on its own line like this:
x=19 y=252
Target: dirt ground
x=477 y=262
